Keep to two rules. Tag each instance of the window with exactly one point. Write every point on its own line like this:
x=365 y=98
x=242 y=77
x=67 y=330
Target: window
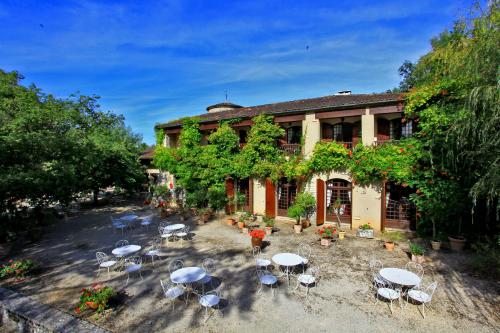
x=342 y=132
x=293 y=134
x=243 y=136
x=400 y=130
x=407 y=129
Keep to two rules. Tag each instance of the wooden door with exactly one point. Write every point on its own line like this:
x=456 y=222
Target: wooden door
x=270 y=199
x=338 y=197
x=320 y=202
x=287 y=191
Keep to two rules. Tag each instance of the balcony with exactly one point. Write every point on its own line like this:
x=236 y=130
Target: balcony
x=290 y=148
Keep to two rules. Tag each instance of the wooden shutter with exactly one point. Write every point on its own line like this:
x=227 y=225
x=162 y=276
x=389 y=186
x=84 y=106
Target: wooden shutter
x=327 y=131
x=230 y=194
x=356 y=133
x=320 y=202
x=383 y=129
x=270 y=199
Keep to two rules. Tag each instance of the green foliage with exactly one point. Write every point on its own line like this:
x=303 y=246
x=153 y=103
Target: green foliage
x=216 y=196
x=17 y=268
x=52 y=149
x=394 y=236
x=302 y=207
x=96 y=294
x=487 y=260
x=268 y=221
x=365 y=226
x=159 y=136
x=329 y=156
x=416 y=249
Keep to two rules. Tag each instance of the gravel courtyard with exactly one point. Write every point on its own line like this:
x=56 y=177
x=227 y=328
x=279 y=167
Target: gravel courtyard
x=341 y=302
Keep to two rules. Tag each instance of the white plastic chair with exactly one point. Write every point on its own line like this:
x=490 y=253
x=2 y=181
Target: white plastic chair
x=117 y=224
x=154 y=249
x=211 y=300
x=260 y=261
x=172 y=292
x=133 y=264
x=175 y=265
x=387 y=291
x=182 y=233
x=422 y=296
x=268 y=279
x=104 y=262
x=304 y=251
x=308 y=278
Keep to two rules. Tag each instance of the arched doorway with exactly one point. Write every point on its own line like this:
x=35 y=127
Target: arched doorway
x=338 y=200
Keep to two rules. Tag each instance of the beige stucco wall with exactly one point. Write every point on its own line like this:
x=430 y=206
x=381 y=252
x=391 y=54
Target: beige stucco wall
x=367 y=206
x=368 y=128
x=259 y=197
x=311 y=131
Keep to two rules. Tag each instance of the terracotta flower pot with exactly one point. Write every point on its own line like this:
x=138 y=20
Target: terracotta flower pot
x=256 y=241
x=241 y=224
x=297 y=228
x=389 y=246
x=92 y=305
x=341 y=235
x=417 y=259
x=326 y=241
x=306 y=224
x=457 y=244
x=269 y=230
x=436 y=245
x=231 y=221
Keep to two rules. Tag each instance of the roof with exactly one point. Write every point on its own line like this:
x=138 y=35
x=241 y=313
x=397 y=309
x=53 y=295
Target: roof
x=325 y=103
x=224 y=105
x=147 y=154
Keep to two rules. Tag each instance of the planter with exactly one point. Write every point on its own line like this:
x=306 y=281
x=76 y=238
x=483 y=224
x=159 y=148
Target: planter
x=436 y=245
x=306 y=224
x=231 y=221
x=297 y=228
x=457 y=244
x=269 y=230
x=92 y=305
x=245 y=230
x=326 y=241
x=389 y=246
x=241 y=224
x=341 y=235
x=417 y=259
x=365 y=233
x=256 y=241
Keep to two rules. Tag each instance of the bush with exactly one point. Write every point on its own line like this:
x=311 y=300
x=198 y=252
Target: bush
x=303 y=206
x=416 y=249
x=17 y=268
x=487 y=260
x=96 y=294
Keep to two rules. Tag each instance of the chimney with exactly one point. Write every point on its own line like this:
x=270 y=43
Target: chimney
x=343 y=92
x=225 y=106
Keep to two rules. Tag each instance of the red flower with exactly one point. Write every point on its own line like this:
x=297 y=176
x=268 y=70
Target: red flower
x=401 y=150
x=345 y=145
x=257 y=233
x=350 y=153
x=77 y=309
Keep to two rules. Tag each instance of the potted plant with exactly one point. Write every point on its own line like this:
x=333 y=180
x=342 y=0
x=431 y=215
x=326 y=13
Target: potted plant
x=341 y=234
x=244 y=219
x=95 y=298
x=257 y=236
x=457 y=243
x=365 y=231
x=303 y=207
x=391 y=238
x=327 y=233
x=269 y=222
x=417 y=253
x=231 y=220
x=204 y=215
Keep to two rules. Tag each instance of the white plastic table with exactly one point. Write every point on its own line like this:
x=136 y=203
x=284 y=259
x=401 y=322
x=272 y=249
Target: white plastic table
x=126 y=250
x=187 y=275
x=174 y=227
x=288 y=260
x=400 y=276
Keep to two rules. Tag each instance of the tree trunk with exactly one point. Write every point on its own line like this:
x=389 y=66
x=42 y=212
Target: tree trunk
x=96 y=196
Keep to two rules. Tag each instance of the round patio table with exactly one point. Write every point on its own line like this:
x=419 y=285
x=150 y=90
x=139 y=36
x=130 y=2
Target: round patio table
x=187 y=275
x=126 y=250
x=174 y=227
x=128 y=218
x=400 y=277
x=288 y=260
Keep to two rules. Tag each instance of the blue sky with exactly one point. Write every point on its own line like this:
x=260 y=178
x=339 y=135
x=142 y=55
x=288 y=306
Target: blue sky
x=154 y=61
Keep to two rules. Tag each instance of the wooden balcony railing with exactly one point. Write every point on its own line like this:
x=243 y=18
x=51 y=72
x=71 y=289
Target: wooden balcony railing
x=346 y=144
x=290 y=148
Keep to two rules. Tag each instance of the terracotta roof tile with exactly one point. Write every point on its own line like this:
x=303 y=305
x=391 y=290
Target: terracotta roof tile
x=325 y=103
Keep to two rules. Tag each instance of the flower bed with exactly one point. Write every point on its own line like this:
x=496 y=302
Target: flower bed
x=95 y=298
x=17 y=268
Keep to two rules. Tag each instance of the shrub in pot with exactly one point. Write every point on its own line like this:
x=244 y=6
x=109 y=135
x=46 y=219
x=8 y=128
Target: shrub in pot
x=391 y=238
x=417 y=253
x=269 y=222
x=365 y=231
x=457 y=243
x=303 y=207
